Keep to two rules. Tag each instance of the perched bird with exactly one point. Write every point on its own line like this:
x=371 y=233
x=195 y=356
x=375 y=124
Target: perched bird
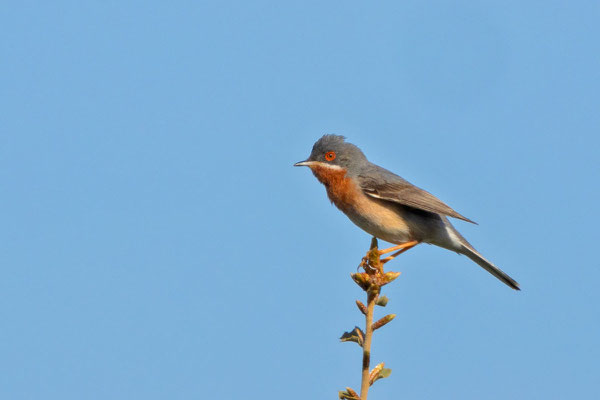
x=387 y=206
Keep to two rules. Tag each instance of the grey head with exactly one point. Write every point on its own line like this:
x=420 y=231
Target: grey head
x=334 y=152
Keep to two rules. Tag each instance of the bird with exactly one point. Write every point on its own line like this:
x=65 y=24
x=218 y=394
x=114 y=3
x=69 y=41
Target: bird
x=387 y=206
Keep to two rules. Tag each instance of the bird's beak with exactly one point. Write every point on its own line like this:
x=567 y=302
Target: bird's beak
x=304 y=163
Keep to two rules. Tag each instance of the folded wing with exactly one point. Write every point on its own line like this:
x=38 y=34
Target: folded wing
x=383 y=184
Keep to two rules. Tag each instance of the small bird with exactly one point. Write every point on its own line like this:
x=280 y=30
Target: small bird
x=387 y=206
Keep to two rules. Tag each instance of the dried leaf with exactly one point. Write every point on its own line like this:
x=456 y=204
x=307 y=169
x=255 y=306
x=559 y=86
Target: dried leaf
x=356 y=335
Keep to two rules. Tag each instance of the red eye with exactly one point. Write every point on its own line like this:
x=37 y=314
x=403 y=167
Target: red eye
x=330 y=155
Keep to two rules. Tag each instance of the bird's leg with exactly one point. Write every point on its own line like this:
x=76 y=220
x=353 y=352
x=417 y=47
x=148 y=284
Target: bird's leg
x=406 y=245
x=401 y=249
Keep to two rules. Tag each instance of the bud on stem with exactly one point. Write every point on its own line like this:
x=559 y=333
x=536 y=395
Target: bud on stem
x=383 y=321
x=361 y=307
x=375 y=373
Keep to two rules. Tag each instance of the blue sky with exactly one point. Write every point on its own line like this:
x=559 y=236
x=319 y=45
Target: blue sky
x=157 y=242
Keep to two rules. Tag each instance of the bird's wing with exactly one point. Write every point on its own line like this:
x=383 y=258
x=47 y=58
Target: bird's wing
x=383 y=184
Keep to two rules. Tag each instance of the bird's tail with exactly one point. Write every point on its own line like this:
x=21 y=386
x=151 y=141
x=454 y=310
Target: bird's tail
x=489 y=267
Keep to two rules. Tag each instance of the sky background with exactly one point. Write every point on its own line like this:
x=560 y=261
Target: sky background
x=156 y=242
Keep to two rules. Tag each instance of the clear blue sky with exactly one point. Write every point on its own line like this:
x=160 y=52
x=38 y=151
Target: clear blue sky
x=157 y=243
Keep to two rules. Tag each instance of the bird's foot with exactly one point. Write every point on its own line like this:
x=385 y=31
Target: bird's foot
x=371 y=262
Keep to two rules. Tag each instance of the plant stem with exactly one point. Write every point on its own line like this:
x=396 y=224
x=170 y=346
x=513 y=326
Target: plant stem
x=372 y=295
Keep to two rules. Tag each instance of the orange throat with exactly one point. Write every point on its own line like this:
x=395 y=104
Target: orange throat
x=341 y=190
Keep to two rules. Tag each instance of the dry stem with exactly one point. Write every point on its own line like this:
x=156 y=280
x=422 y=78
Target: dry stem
x=371 y=282
x=372 y=295
x=372 y=267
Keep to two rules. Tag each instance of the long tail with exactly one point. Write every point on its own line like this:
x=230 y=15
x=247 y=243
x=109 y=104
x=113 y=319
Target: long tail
x=489 y=267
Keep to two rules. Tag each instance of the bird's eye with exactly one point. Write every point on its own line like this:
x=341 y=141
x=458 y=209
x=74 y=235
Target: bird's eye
x=330 y=155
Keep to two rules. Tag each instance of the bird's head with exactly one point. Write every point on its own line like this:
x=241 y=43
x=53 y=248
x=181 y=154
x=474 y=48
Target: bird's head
x=333 y=152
